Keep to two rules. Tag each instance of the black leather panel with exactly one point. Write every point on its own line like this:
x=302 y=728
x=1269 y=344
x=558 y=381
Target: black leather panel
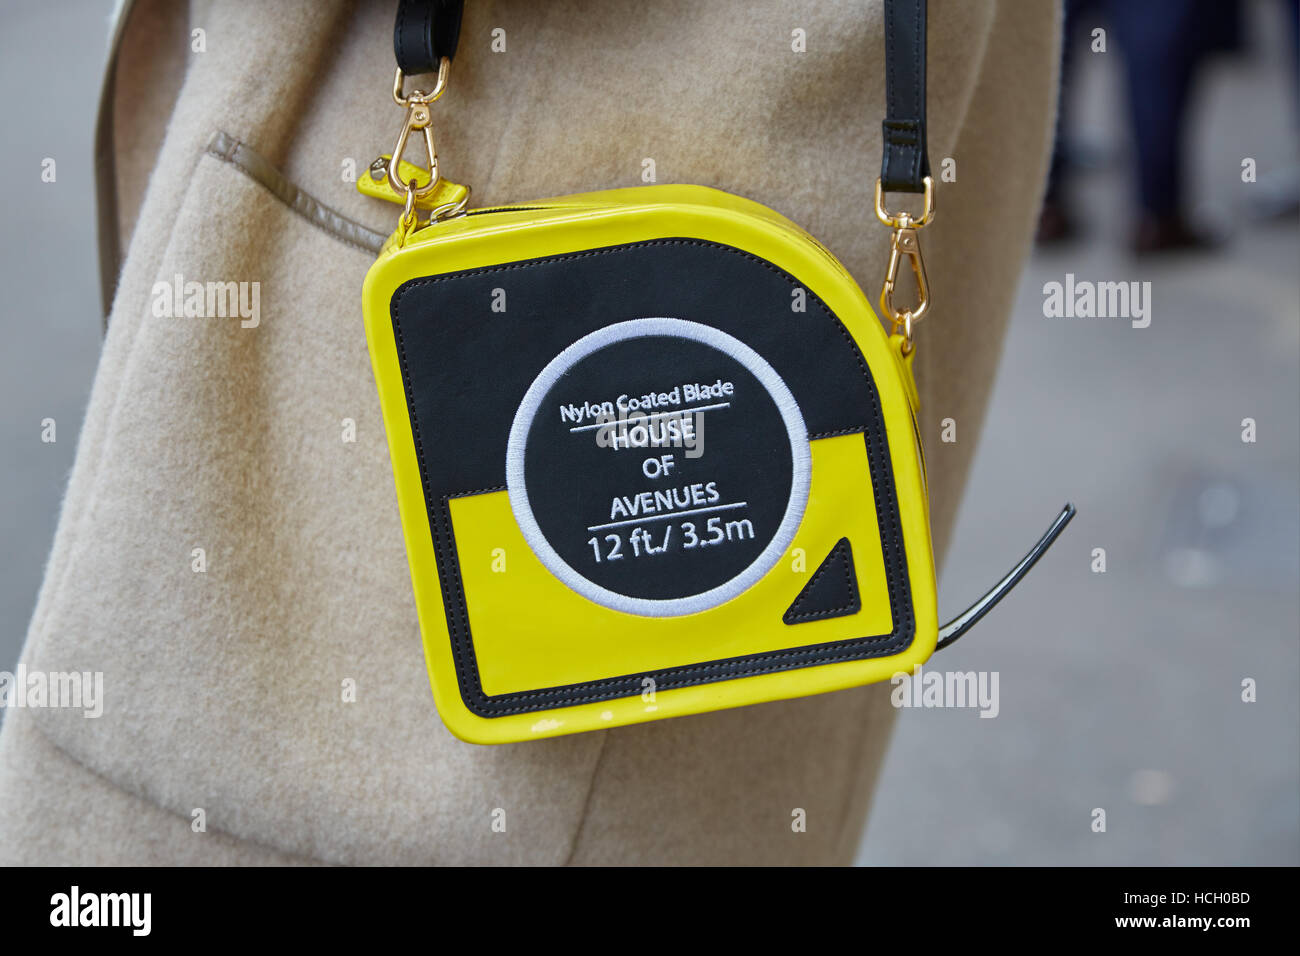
x=466 y=366
x=832 y=591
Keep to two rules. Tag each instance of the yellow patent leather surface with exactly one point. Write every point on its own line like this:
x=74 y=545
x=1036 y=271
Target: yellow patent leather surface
x=444 y=193
x=529 y=631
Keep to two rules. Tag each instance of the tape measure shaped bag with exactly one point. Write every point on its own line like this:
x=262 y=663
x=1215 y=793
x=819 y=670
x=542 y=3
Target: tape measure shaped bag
x=682 y=470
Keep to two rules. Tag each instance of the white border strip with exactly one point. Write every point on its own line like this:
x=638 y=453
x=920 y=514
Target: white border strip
x=801 y=458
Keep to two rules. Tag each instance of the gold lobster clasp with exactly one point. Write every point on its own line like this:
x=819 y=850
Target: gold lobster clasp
x=418 y=119
x=904 y=244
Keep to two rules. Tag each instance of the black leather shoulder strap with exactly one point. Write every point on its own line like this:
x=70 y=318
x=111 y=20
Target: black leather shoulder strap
x=426 y=31
x=906 y=162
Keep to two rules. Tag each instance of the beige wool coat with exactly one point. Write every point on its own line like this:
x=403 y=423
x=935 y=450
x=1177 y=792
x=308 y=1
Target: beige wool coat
x=225 y=155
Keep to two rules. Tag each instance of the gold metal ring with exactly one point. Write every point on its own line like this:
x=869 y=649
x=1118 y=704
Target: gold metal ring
x=896 y=220
x=450 y=210
x=444 y=71
x=408 y=211
x=904 y=322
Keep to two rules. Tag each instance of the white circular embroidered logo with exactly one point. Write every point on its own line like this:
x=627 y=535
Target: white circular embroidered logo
x=658 y=467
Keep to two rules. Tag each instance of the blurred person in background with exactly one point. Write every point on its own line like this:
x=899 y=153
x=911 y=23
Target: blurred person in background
x=1164 y=45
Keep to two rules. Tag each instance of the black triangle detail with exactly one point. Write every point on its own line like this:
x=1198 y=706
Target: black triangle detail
x=832 y=591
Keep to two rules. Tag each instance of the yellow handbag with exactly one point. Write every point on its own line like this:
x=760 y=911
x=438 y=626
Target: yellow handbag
x=654 y=453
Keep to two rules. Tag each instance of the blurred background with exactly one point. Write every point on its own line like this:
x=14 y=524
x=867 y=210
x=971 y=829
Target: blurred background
x=1123 y=690
x=1120 y=690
